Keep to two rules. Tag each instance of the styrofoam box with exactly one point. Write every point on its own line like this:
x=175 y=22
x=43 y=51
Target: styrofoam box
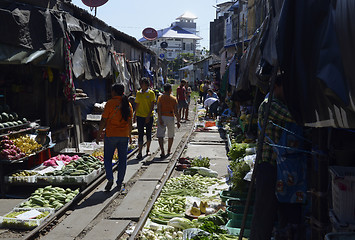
x=16 y=223
x=24 y=179
x=343 y=192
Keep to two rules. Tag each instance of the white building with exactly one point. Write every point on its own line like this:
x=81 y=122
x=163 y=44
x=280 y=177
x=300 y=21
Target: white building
x=180 y=37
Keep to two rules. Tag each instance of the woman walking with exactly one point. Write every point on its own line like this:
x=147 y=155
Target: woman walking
x=145 y=100
x=117 y=120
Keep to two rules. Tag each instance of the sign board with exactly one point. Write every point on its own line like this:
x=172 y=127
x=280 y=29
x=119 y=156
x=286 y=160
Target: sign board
x=94 y=3
x=150 y=33
x=161 y=55
x=164 y=45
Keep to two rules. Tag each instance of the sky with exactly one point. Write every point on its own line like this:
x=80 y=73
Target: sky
x=132 y=16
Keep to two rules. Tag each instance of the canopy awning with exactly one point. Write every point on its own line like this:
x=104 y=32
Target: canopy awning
x=187 y=68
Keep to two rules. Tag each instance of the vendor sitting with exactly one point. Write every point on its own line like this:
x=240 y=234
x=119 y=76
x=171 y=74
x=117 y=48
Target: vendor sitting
x=211 y=104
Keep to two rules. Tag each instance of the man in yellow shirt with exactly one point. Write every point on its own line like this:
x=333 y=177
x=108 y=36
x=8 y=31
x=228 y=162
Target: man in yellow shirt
x=145 y=100
x=201 y=91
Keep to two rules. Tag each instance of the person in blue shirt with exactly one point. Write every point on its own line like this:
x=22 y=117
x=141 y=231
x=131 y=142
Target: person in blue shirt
x=210 y=93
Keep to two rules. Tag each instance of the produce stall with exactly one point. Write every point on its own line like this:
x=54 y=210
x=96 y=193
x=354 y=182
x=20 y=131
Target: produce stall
x=42 y=203
x=197 y=204
x=17 y=145
x=60 y=170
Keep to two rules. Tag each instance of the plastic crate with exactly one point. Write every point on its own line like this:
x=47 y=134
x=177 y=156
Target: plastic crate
x=340 y=236
x=239 y=202
x=237 y=207
x=235 y=195
x=15 y=223
x=240 y=209
x=233 y=229
x=237 y=216
x=343 y=192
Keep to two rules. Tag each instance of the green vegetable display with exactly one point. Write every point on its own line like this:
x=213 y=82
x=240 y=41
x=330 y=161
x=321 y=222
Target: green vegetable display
x=237 y=150
x=240 y=169
x=211 y=227
x=83 y=166
x=200 y=162
x=187 y=185
x=50 y=197
x=171 y=203
x=166 y=208
x=219 y=218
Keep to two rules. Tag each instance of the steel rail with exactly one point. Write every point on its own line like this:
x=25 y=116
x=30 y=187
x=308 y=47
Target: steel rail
x=89 y=189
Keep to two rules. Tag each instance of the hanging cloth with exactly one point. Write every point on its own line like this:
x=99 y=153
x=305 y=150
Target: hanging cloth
x=233 y=72
x=67 y=77
x=123 y=74
x=291 y=182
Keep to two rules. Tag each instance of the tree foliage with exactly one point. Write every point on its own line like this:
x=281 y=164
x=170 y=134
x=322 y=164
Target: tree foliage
x=182 y=60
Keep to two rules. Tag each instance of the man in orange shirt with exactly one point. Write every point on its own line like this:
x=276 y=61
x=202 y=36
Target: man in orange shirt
x=167 y=108
x=117 y=119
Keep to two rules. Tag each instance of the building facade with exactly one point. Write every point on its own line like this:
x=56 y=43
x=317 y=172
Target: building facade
x=180 y=37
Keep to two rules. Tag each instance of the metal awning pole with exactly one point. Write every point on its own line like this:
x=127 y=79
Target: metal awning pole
x=259 y=151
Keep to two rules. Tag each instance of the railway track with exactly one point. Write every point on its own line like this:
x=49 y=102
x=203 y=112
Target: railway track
x=135 y=224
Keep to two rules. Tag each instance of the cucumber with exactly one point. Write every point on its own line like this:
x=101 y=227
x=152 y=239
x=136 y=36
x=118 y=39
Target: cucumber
x=37 y=201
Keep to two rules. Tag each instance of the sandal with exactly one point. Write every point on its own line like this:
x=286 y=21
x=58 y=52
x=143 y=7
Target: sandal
x=162 y=155
x=149 y=153
x=139 y=156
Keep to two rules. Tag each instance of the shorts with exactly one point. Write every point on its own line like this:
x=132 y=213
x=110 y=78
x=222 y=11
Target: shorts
x=182 y=104
x=213 y=108
x=169 y=122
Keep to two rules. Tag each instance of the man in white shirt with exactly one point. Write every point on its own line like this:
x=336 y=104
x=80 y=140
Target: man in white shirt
x=211 y=105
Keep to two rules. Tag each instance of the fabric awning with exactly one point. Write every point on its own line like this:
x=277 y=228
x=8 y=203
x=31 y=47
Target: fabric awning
x=45 y=58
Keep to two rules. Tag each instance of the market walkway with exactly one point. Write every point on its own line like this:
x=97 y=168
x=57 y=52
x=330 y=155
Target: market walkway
x=107 y=215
